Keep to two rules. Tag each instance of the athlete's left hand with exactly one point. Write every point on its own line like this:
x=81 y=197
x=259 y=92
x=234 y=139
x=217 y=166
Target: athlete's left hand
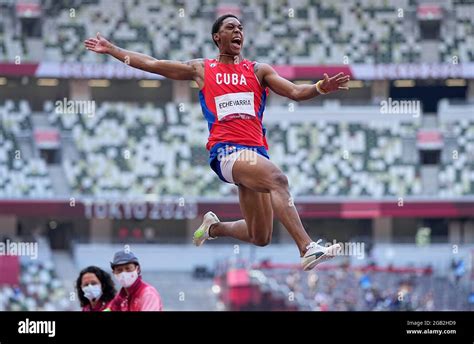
x=335 y=83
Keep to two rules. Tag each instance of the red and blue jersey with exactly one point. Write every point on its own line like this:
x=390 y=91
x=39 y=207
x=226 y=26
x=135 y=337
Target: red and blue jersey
x=233 y=102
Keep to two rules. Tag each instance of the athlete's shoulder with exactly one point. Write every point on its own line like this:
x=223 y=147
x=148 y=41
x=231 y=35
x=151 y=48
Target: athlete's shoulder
x=262 y=69
x=195 y=63
x=249 y=62
x=209 y=61
x=261 y=65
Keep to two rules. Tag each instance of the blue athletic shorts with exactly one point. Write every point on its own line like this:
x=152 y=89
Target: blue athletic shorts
x=223 y=149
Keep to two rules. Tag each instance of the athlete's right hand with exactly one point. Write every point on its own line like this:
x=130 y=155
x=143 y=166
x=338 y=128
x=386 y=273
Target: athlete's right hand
x=98 y=44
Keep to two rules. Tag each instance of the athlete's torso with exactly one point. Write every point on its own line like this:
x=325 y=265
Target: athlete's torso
x=233 y=101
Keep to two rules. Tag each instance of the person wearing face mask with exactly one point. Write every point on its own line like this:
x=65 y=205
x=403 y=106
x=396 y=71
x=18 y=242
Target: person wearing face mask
x=95 y=289
x=135 y=294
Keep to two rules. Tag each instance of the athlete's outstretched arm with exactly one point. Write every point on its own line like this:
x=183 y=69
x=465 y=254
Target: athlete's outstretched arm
x=290 y=90
x=190 y=70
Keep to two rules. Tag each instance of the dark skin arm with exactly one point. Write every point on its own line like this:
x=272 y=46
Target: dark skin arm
x=269 y=77
x=176 y=70
x=194 y=70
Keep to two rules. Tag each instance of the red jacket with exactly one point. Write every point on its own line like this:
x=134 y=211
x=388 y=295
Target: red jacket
x=139 y=297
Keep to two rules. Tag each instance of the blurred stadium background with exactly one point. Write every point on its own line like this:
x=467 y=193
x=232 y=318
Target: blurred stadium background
x=130 y=166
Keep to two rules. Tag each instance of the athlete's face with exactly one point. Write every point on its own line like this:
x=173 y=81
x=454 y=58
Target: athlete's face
x=230 y=37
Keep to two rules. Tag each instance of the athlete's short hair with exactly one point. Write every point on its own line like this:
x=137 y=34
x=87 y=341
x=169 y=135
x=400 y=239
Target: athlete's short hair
x=218 y=23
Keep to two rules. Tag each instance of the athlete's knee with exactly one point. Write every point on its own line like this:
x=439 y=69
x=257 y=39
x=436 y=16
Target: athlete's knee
x=262 y=236
x=279 y=180
x=262 y=241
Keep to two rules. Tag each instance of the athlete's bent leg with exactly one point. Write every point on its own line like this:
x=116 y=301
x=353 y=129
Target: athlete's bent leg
x=257 y=226
x=261 y=175
x=263 y=189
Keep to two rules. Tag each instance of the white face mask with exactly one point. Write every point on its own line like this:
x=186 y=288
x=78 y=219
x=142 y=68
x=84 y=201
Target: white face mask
x=92 y=291
x=126 y=279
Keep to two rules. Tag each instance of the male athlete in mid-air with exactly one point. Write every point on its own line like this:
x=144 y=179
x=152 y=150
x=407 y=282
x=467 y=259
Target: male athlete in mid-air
x=233 y=92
